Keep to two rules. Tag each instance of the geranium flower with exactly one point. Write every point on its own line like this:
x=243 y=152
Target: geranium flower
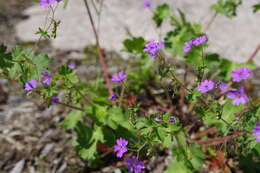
x=46 y=78
x=256 y=132
x=134 y=165
x=206 y=86
x=152 y=47
x=241 y=74
x=238 y=96
x=31 y=84
x=120 y=147
x=119 y=77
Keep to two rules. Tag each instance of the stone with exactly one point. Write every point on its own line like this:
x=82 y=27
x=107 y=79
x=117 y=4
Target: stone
x=234 y=38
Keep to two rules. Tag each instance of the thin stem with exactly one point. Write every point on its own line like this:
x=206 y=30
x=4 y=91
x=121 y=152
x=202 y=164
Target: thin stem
x=253 y=54
x=211 y=21
x=138 y=151
x=203 y=64
x=82 y=95
x=102 y=62
x=71 y=106
x=49 y=26
x=177 y=80
x=225 y=122
x=122 y=95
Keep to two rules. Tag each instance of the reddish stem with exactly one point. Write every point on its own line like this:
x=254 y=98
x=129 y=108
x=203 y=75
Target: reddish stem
x=208 y=131
x=214 y=141
x=102 y=61
x=254 y=53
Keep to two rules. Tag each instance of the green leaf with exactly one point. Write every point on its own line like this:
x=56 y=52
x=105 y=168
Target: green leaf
x=14 y=71
x=229 y=110
x=65 y=70
x=87 y=140
x=109 y=136
x=256 y=7
x=134 y=45
x=41 y=60
x=177 y=166
x=17 y=53
x=5 y=57
x=84 y=135
x=98 y=134
x=72 y=119
x=162 y=12
x=226 y=7
x=73 y=78
x=42 y=33
x=258 y=113
x=101 y=113
x=210 y=118
x=195 y=95
x=197 y=155
x=116 y=118
x=89 y=153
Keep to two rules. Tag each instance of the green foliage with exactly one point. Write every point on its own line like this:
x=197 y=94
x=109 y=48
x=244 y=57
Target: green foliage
x=142 y=74
x=161 y=13
x=256 y=8
x=223 y=67
x=226 y=7
x=87 y=139
x=177 y=166
x=72 y=119
x=157 y=133
x=43 y=33
x=23 y=64
x=188 y=157
x=134 y=45
x=5 y=57
x=41 y=60
x=184 y=31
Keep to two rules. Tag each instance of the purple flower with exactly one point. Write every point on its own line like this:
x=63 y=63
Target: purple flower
x=47 y=3
x=30 y=85
x=147 y=3
x=196 y=42
x=187 y=46
x=54 y=100
x=241 y=74
x=134 y=165
x=222 y=86
x=200 y=40
x=206 y=86
x=120 y=147
x=113 y=97
x=72 y=66
x=119 y=77
x=238 y=96
x=152 y=47
x=158 y=119
x=256 y=132
x=46 y=78
x=172 y=119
